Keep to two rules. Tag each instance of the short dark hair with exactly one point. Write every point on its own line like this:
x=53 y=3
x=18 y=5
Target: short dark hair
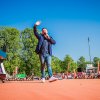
x=44 y=28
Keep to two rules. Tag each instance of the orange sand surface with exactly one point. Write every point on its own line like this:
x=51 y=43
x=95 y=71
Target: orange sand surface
x=67 y=89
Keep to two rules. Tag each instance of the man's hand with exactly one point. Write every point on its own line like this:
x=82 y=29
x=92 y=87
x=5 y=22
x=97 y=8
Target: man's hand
x=38 y=23
x=46 y=36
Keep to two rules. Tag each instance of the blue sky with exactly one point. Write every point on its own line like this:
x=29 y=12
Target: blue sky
x=70 y=23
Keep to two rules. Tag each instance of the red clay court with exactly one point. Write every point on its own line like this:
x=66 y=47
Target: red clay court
x=69 y=89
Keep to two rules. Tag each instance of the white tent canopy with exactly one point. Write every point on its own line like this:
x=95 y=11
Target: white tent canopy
x=89 y=66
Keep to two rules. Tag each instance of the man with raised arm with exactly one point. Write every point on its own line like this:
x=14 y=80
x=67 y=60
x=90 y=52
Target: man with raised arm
x=44 y=49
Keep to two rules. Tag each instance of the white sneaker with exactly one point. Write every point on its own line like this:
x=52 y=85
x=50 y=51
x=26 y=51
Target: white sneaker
x=43 y=80
x=51 y=79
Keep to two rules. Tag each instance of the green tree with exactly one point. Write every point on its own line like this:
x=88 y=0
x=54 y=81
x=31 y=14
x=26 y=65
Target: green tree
x=81 y=63
x=95 y=61
x=29 y=57
x=56 y=65
x=69 y=64
x=11 y=39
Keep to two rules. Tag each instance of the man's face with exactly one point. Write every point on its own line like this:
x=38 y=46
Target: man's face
x=44 y=31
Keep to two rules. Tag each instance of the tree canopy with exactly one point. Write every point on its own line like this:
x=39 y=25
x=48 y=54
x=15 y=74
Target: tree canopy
x=20 y=47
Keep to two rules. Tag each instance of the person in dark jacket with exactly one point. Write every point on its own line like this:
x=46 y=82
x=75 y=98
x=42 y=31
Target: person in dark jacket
x=44 y=49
